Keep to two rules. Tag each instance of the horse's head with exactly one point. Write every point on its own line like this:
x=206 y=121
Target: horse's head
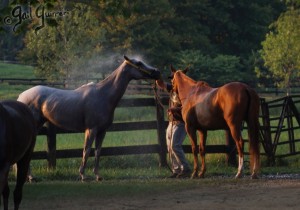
x=141 y=70
x=174 y=80
x=173 y=71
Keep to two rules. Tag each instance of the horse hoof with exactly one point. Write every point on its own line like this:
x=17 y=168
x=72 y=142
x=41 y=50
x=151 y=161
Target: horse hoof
x=83 y=178
x=32 y=179
x=238 y=176
x=194 y=175
x=254 y=176
x=201 y=175
x=99 y=178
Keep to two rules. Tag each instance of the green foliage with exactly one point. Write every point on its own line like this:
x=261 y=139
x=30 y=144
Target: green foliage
x=154 y=30
x=63 y=50
x=281 y=49
x=226 y=68
x=139 y=28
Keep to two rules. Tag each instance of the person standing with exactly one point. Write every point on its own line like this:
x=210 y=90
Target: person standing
x=175 y=134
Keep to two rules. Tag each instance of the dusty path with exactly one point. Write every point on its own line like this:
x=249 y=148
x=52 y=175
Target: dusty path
x=266 y=193
x=275 y=194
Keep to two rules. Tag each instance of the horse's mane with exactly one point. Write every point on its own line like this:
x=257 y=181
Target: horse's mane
x=110 y=76
x=202 y=83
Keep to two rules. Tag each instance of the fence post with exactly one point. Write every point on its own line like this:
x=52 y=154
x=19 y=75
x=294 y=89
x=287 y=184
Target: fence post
x=51 y=145
x=231 y=153
x=161 y=133
x=266 y=131
x=290 y=125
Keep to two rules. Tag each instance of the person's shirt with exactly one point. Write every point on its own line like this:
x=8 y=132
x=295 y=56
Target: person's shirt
x=174 y=111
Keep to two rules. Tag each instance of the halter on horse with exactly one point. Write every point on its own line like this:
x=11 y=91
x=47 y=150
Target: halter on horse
x=205 y=108
x=89 y=108
x=17 y=140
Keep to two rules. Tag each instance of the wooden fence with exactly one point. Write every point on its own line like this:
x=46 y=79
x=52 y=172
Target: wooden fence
x=280 y=135
x=279 y=128
x=160 y=148
x=159 y=125
x=134 y=87
x=272 y=133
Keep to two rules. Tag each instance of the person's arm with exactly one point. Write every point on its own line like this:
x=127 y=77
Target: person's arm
x=165 y=86
x=160 y=83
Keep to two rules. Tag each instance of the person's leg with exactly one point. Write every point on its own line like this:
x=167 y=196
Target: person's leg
x=178 y=137
x=175 y=166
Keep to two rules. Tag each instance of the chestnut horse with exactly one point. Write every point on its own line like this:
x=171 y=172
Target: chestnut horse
x=89 y=108
x=205 y=108
x=17 y=140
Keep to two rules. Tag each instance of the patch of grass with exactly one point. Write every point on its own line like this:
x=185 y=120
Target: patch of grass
x=11 y=91
x=16 y=71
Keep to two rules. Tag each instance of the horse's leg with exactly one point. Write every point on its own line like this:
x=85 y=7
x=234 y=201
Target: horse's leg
x=202 y=143
x=193 y=139
x=237 y=136
x=22 y=170
x=88 y=141
x=98 y=144
x=5 y=194
x=4 y=189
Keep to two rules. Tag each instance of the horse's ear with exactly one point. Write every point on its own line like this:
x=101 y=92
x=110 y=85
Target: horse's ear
x=126 y=58
x=185 y=70
x=172 y=68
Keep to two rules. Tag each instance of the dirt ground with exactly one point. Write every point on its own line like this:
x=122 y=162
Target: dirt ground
x=283 y=194
x=266 y=193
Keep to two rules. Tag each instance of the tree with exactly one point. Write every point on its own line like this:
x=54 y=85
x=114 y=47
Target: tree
x=139 y=28
x=66 y=49
x=225 y=28
x=281 y=49
x=216 y=70
x=156 y=30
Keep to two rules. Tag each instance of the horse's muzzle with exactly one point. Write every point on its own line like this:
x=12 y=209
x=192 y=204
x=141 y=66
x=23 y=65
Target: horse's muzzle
x=155 y=74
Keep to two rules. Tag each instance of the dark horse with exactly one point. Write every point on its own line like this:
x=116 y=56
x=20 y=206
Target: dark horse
x=205 y=108
x=89 y=108
x=17 y=140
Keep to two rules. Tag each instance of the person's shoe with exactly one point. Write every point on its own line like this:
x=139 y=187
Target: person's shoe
x=174 y=175
x=184 y=174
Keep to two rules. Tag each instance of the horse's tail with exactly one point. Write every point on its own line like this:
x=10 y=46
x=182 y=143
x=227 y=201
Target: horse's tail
x=253 y=129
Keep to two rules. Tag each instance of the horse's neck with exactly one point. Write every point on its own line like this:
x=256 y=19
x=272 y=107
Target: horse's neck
x=189 y=87
x=203 y=87
x=185 y=87
x=115 y=84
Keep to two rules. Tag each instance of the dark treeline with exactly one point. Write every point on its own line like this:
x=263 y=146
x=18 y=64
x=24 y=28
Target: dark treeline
x=218 y=39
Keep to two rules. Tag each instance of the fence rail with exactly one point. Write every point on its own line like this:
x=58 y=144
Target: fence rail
x=281 y=120
x=272 y=128
x=135 y=88
x=159 y=125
